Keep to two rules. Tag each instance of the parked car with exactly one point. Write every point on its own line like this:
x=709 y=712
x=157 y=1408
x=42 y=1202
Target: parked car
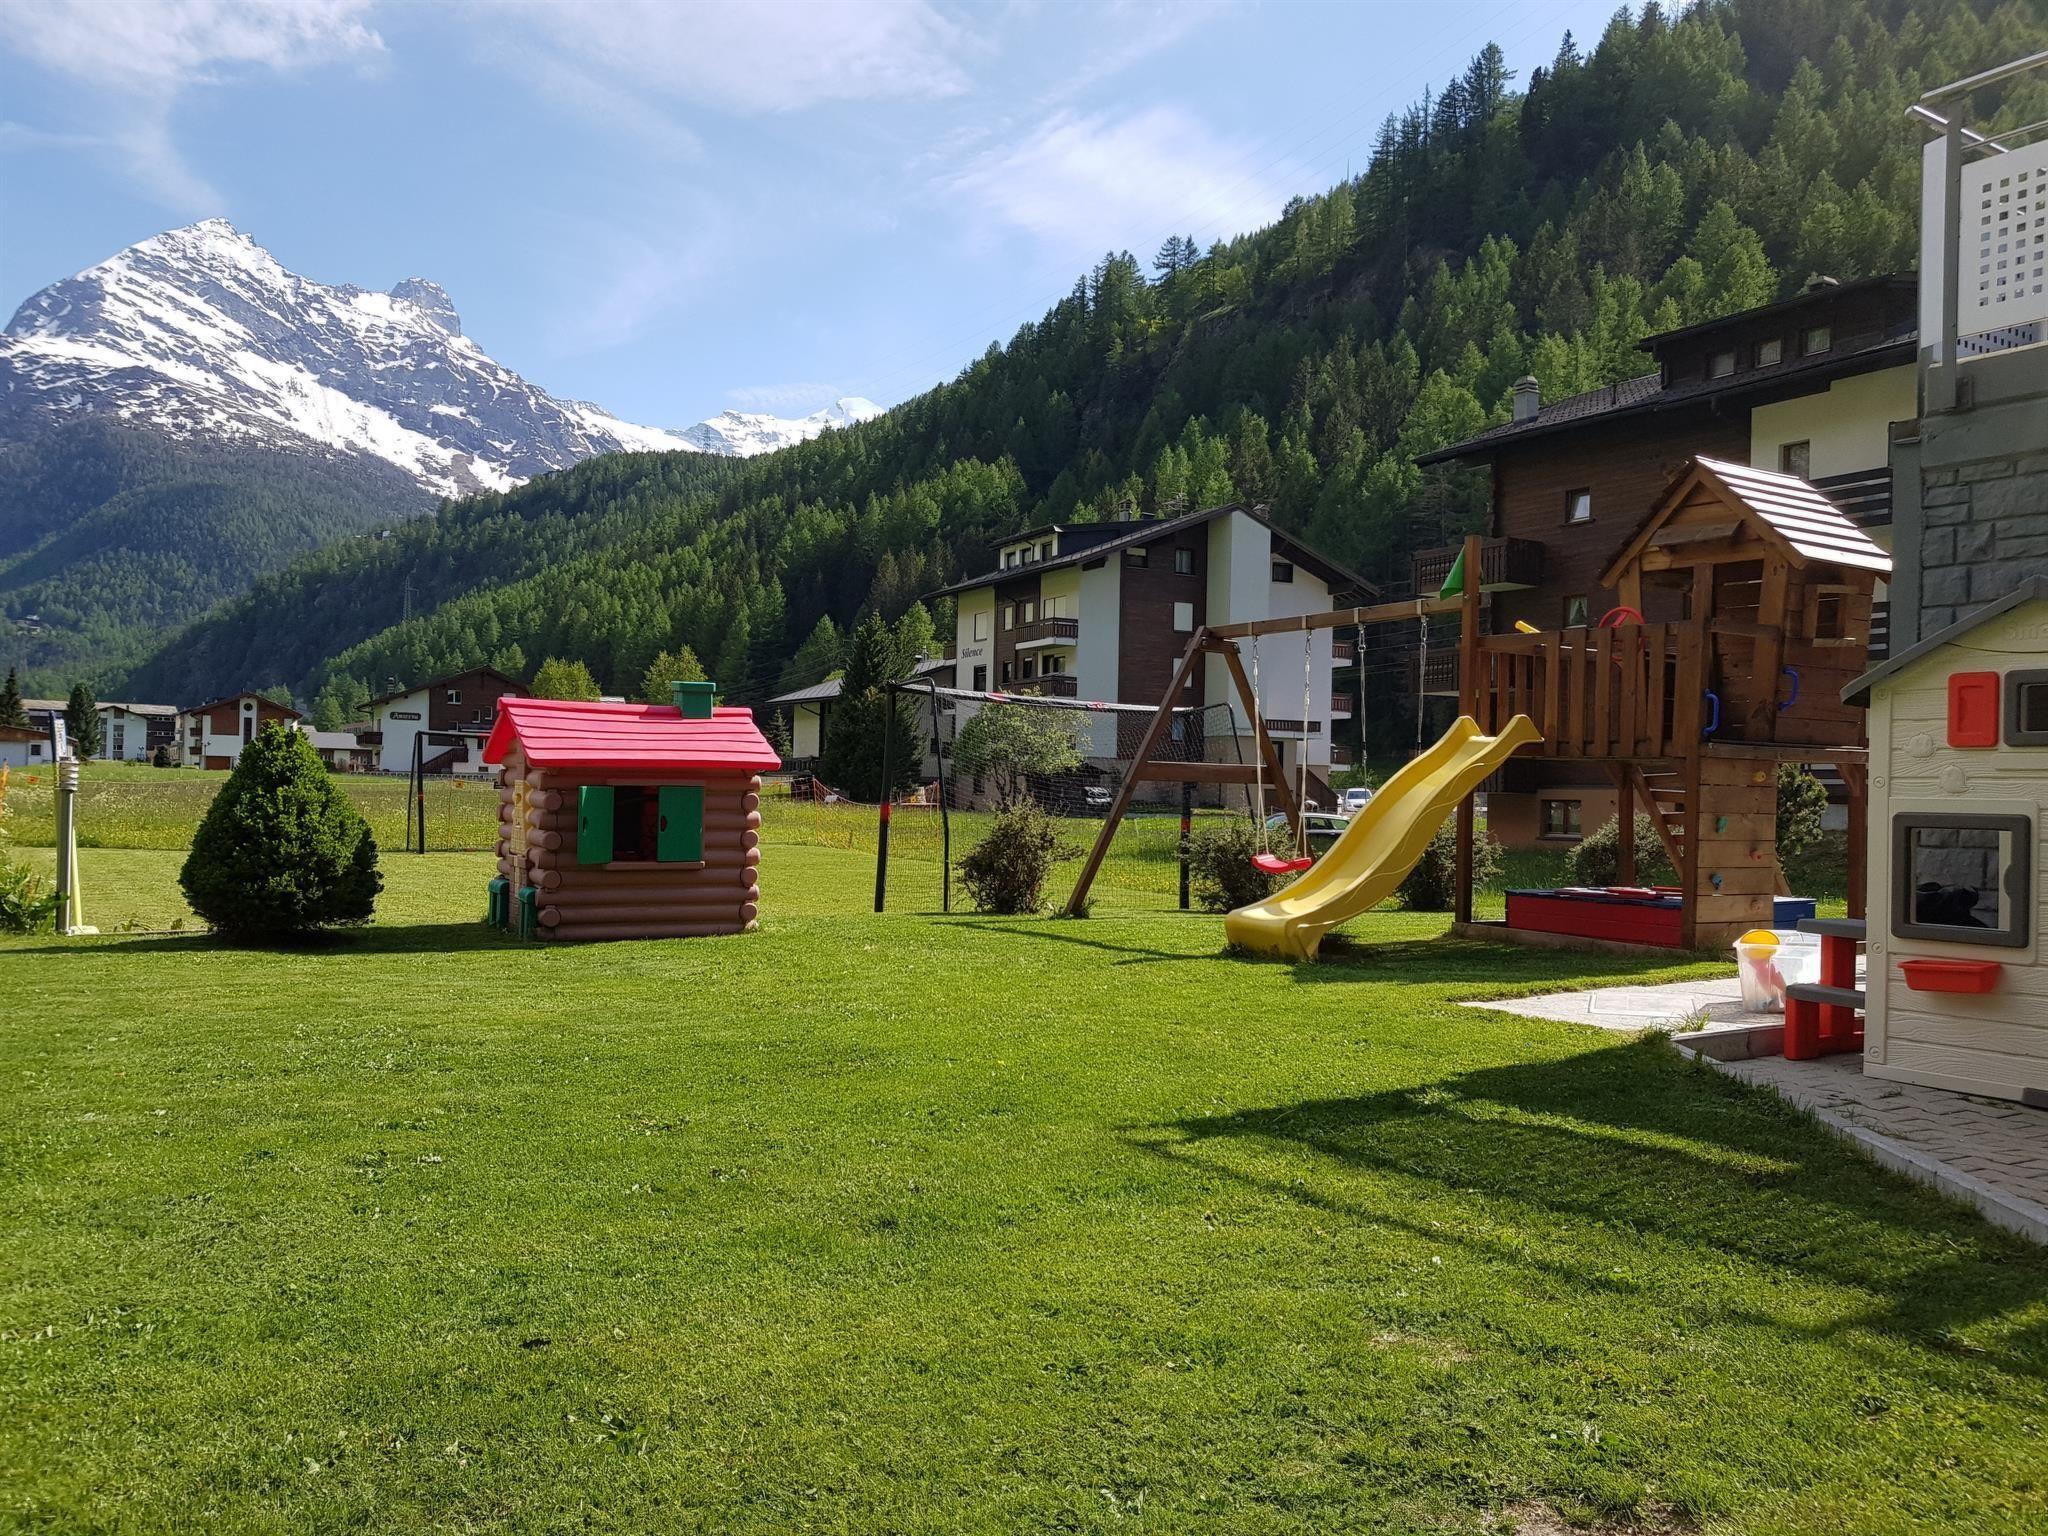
x=1096 y=799
x=1324 y=828
x=1354 y=799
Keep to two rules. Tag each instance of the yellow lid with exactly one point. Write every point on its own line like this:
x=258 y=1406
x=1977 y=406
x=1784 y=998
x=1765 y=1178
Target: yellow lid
x=1763 y=938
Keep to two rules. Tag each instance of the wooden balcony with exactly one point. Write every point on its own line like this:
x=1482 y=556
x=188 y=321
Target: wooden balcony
x=1665 y=691
x=1864 y=496
x=1505 y=565
x=1053 y=685
x=1046 y=632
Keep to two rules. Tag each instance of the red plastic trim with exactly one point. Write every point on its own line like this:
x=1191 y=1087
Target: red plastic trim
x=1973 y=709
x=1972 y=976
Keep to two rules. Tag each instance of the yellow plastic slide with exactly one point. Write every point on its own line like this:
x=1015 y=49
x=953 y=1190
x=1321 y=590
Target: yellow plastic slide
x=1383 y=842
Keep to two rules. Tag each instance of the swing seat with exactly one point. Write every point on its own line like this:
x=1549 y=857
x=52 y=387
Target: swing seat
x=1273 y=864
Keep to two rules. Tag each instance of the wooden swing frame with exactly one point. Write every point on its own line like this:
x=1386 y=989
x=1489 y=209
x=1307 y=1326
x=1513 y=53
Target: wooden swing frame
x=1221 y=640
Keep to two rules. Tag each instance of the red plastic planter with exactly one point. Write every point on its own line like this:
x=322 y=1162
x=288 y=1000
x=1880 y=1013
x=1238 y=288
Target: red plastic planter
x=1951 y=975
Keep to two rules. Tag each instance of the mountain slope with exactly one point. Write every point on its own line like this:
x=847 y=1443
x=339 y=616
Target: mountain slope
x=742 y=434
x=1680 y=170
x=188 y=414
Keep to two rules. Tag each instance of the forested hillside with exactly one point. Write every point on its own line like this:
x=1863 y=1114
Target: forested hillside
x=110 y=536
x=1678 y=170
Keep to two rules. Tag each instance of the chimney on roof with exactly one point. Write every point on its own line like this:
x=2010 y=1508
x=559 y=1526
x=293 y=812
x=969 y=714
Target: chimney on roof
x=1528 y=398
x=1822 y=283
x=693 y=700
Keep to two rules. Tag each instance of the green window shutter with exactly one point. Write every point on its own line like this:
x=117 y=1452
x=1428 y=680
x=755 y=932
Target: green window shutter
x=681 y=838
x=594 y=824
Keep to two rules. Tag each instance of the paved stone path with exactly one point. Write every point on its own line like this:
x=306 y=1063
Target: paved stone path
x=1992 y=1153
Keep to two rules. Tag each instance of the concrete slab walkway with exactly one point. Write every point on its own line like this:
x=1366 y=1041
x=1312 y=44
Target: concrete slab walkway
x=1992 y=1153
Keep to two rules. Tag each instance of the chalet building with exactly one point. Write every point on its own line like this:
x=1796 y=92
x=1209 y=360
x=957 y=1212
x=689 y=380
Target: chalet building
x=131 y=733
x=23 y=746
x=463 y=703
x=809 y=711
x=212 y=735
x=1103 y=611
x=1815 y=386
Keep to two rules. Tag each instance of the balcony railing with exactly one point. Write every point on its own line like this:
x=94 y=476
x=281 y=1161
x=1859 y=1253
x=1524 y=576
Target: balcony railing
x=1343 y=653
x=1864 y=496
x=1046 y=632
x=1505 y=565
x=1341 y=702
x=1054 y=685
x=1440 y=671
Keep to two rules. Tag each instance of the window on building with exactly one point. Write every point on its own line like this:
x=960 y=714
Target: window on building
x=1184 y=618
x=1830 y=624
x=1011 y=557
x=981 y=624
x=1577 y=613
x=1054 y=666
x=454 y=695
x=1964 y=878
x=1136 y=557
x=1578 y=506
x=2026 y=708
x=1006 y=674
x=1796 y=458
x=640 y=823
x=1283 y=570
x=1045 y=549
x=980 y=683
x=1027 y=612
x=1009 y=616
x=1720 y=364
x=1561 y=818
x=1770 y=353
x=1816 y=339
x=1184 y=562
x=1027 y=668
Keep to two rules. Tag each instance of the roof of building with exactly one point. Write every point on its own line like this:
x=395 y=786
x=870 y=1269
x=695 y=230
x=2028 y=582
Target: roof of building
x=927 y=666
x=334 y=741
x=22 y=733
x=2033 y=590
x=1786 y=511
x=236 y=698
x=139 y=709
x=436 y=682
x=1150 y=530
x=1646 y=394
x=571 y=733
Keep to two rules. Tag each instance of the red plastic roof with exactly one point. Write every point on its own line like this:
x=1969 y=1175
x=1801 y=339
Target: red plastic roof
x=569 y=733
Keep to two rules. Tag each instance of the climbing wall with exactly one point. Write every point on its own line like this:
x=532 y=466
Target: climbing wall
x=1736 y=874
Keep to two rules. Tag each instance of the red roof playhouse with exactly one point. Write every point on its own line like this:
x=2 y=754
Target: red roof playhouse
x=627 y=821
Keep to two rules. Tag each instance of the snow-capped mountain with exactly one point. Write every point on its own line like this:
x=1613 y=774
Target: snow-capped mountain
x=745 y=433
x=201 y=335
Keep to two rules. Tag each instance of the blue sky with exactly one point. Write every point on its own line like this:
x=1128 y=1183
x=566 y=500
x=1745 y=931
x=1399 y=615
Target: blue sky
x=674 y=209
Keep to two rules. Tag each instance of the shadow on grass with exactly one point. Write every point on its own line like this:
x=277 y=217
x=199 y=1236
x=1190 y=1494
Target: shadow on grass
x=1632 y=1140
x=376 y=939
x=1068 y=931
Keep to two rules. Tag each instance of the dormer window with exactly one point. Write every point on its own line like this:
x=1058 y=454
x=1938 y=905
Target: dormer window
x=1283 y=570
x=1816 y=339
x=1770 y=353
x=1720 y=364
x=1045 y=549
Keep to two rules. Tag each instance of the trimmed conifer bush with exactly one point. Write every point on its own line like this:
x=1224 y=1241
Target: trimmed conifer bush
x=282 y=852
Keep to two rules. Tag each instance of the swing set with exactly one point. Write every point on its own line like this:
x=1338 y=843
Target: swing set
x=1224 y=641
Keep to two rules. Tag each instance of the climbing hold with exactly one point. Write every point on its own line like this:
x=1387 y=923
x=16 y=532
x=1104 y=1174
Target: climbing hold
x=1716 y=882
x=1720 y=823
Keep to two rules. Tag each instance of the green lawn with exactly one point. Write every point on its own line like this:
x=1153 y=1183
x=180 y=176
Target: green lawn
x=940 y=1224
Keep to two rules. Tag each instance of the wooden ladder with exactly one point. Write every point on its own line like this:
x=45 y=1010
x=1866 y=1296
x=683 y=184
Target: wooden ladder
x=1662 y=794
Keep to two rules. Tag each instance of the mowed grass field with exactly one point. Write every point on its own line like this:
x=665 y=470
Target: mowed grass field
x=924 y=1223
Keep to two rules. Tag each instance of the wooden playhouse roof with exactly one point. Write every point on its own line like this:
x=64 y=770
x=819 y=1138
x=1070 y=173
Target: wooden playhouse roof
x=569 y=733
x=1783 y=511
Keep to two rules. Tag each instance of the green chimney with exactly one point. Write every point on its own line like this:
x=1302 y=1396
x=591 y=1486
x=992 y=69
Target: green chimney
x=694 y=699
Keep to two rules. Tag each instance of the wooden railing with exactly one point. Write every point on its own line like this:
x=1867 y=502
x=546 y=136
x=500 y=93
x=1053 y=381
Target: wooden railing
x=1630 y=692
x=1503 y=564
x=1046 y=629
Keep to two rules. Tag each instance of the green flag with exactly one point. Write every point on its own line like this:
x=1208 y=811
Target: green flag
x=1454 y=584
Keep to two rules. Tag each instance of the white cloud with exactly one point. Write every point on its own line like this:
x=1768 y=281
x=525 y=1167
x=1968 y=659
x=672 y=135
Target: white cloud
x=1082 y=183
x=751 y=58
x=618 y=282
x=141 y=55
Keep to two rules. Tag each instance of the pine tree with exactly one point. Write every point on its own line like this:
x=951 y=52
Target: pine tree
x=565 y=679
x=680 y=666
x=865 y=717
x=82 y=722
x=11 y=710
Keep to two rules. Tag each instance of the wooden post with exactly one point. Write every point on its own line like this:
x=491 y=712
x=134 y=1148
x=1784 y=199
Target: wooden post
x=1769 y=652
x=1856 y=778
x=1624 y=824
x=1197 y=644
x=1468 y=704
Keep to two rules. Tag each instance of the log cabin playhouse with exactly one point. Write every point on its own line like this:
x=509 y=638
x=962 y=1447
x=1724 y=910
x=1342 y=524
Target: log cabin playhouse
x=627 y=821
x=1690 y=719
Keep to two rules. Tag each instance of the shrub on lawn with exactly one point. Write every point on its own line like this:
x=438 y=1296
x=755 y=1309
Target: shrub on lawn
x=1597 y=858
x=1006 y=871
x=281 y=851
x=27 y=902
x=1221 y=875
x=1432 y=884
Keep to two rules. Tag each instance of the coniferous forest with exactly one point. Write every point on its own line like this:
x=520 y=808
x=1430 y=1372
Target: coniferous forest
x=1677 y=168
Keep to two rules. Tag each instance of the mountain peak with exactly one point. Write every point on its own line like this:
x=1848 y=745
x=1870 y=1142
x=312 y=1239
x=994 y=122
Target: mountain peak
x=742 y=434
x=431 y=300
